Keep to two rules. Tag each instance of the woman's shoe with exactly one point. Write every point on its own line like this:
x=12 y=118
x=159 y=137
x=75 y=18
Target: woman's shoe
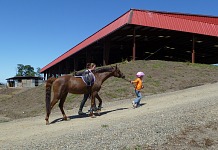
x=81 y=113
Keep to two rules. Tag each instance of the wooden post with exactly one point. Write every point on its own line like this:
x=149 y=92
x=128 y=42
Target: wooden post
x=67 y=66
x=45 y=77
x=133 y=50
x=88 y=55
x=106 y=52
x=59 y=69
x=75 y=63
x=193 y=49
x=49 y=73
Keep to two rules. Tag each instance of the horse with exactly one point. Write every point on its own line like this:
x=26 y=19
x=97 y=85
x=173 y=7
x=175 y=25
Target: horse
x=70 y=84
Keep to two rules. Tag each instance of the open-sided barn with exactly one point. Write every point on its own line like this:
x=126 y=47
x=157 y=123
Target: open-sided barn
x=143 y=34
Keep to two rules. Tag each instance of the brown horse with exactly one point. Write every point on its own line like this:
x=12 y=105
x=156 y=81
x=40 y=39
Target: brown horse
x=70 y=84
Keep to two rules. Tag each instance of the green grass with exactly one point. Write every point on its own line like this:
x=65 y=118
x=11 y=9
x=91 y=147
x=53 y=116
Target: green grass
x=158 y=65
x=2 y=120
x=71 y=97
x=152 y=81
x=4 y=97
x=104 y=126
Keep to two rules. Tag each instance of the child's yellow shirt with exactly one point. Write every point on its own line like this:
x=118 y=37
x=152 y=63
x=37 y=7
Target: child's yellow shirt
x=138 y=84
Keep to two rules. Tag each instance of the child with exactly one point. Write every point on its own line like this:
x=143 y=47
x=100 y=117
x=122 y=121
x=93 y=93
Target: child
x=138 y=87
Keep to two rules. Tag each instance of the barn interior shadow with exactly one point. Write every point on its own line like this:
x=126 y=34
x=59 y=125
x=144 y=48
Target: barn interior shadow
x=86 y=115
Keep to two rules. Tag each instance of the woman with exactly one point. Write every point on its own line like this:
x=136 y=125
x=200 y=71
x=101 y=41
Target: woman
x=88 y=75
x=90 y=81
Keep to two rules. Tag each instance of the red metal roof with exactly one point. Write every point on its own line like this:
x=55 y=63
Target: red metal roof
x=199 y=24
x=201 y=18
x=179 y=22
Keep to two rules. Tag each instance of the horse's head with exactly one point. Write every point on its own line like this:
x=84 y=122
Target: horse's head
x=117 y=72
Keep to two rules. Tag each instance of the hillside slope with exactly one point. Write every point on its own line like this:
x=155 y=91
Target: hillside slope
x=160 y=76
x=179 y=120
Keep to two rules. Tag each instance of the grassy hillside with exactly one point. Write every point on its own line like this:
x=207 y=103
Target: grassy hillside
x=160 y=76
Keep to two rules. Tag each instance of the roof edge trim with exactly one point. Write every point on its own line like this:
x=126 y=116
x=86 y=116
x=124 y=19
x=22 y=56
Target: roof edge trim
x=89 y=40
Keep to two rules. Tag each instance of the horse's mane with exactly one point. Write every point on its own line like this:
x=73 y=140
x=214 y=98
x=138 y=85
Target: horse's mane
x=103 y=69
x=97 y=70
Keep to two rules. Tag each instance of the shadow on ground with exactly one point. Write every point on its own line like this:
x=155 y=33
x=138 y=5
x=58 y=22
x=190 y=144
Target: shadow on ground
x=87 y=115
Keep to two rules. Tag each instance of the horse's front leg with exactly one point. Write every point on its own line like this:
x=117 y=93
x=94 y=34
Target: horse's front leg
x=93 y=105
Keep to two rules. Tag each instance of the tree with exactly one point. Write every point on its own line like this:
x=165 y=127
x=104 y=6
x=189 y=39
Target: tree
x=25 y=70
x=29 y=70
x=20 y=70
x=38 y=74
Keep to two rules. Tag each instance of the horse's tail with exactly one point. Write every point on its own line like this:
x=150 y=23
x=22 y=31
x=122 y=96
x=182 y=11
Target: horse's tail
x=48 y=94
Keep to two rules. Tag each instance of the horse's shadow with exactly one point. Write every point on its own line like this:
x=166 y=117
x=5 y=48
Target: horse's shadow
x=86 y=115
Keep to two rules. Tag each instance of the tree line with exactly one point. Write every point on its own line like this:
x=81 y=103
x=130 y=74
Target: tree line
x=27 y=70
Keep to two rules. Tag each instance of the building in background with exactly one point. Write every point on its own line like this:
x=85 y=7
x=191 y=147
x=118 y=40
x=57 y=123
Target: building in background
x=21 y=81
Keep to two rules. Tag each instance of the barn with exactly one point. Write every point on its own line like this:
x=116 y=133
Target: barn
x=24 y=81
x=142 y=35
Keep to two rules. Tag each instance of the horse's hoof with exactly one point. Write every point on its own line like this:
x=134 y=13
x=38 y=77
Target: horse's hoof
x=47 y=123
x=95 y=109
x=66 y=119
x=93 y=116
x=98 y=112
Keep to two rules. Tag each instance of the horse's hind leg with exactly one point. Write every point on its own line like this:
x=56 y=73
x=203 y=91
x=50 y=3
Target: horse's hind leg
x=52 y=103
x=61 y=105
x=100 y=102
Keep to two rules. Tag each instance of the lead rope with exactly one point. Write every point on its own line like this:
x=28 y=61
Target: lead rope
x=128 y=81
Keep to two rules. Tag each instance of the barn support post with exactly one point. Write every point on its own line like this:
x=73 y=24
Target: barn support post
x=193 y=48
x=75 y=63
x=106 y=52
x=49 y=74
x=59 y=69
x=134 y=45
x=67 y=65
x=45 y=75
x=53 y=72
x=88 y=55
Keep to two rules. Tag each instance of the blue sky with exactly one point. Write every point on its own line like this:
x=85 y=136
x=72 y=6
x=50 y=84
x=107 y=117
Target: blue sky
x=35 y=32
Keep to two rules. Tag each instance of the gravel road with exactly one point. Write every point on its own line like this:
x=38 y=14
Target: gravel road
x=185 y=119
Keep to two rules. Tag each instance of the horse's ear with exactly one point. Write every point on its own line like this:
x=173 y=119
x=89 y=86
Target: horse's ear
x=116 y=66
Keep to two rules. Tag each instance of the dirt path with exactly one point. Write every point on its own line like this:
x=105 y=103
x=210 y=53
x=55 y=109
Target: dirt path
x=32 y=132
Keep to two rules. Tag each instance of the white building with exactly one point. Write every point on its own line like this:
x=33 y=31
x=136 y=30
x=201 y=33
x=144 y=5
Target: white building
x=21 y=81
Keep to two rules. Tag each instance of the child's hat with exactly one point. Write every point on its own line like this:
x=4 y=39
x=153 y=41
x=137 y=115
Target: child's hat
x=140 y=74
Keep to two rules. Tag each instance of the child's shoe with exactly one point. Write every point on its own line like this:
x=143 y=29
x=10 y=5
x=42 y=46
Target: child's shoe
x=134 y=104
x=137 y=105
